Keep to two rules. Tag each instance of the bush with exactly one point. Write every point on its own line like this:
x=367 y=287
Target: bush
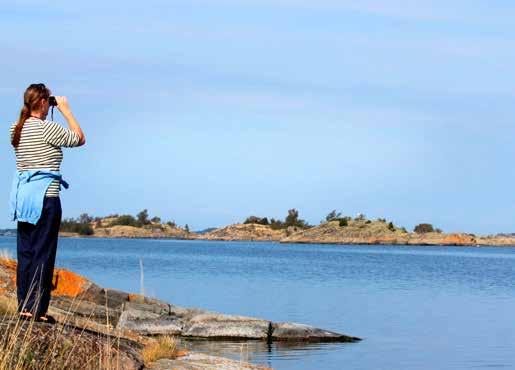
x=125 y=220
x=333 y=215
x=76 y=226
x=423 y=228
x=256 y=220
x=343 y=222
x=391 y=227
x=143 y=218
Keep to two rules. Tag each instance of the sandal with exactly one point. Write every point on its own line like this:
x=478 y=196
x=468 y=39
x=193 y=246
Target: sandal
x=25 y=315
x=46 y=318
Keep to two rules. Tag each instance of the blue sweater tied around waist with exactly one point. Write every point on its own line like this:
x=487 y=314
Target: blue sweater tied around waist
x=28 y=193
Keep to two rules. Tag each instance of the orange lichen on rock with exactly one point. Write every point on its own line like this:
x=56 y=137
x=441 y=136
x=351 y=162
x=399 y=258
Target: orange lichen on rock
x=64 y=282
x=459 y=239
x=8 y=264
x=67 y=283
x=181 y=352
x=134 y=297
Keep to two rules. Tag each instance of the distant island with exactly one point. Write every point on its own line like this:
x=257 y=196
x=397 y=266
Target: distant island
x=334 y=229
x=7 y=232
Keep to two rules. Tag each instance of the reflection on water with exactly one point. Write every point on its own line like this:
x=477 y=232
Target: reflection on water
x=261 y=352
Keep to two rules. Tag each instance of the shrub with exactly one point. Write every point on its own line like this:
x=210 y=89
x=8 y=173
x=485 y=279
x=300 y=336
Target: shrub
x=423 y=228
x=76 y=226
x=333 y=215
x=143 y=218
x=171 y=224
x=343 y=222
x=125 y=220
x=256 y=220
x=391 y=227
x=292 y=219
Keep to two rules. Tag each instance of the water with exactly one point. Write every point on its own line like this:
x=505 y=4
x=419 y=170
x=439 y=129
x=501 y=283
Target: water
x=415 y=307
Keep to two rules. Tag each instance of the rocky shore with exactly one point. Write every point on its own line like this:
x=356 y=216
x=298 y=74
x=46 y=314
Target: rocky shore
x=133 y=320
x=356 y=231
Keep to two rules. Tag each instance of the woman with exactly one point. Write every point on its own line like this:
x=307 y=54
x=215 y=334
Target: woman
x=35 y=201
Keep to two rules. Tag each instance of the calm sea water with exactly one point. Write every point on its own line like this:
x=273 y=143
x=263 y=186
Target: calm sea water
x=415 y=307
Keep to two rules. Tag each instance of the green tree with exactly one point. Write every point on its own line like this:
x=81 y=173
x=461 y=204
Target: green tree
x=256 y=220
x=156 y=220
x=143 y=218
x=423 y=228
x=333 y=215
x=391 y=226
x=125 y=220
x=292 y=219
x=187 y=228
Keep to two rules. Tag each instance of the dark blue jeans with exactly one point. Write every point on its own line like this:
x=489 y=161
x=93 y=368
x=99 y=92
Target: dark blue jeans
x=36 y=250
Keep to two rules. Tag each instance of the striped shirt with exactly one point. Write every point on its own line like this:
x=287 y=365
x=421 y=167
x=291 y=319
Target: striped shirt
x=40 y=147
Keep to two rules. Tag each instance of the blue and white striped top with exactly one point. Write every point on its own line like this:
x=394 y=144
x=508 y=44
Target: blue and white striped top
x=40 y=148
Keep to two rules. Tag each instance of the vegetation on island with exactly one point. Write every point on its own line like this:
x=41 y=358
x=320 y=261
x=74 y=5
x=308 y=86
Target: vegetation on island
x=86 y=224
x=291 y=219
x=426 y=228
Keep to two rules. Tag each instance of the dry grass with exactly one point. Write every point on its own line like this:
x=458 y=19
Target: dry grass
x=162 y=347
x=7 y=306
x=25 y=345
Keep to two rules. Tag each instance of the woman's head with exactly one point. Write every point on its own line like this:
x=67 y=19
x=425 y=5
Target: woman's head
x=35 y=102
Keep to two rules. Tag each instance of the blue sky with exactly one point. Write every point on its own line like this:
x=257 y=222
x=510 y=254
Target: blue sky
x=205 y=112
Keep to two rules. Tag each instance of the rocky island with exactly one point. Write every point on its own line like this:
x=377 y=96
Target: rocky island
x=335 y=229
x=92 y=318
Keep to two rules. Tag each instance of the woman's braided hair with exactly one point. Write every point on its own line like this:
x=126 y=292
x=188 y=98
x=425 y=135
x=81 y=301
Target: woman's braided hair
x=31 y=101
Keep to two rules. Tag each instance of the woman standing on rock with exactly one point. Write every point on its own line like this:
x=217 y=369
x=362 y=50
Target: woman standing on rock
x=35 y=201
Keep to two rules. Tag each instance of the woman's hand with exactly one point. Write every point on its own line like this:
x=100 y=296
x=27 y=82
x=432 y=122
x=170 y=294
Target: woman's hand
x=64 y=108
x=62 y=104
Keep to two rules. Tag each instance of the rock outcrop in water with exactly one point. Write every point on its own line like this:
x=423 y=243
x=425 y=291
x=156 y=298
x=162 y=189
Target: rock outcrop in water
x=131 y=317
x=355 y=231
x=243 y=232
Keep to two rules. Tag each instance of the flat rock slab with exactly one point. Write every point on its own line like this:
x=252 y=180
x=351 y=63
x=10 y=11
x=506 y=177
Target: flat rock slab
x=219 y=326
x=287 y=331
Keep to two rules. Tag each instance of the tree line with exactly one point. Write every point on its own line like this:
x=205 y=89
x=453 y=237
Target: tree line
x=83 y=224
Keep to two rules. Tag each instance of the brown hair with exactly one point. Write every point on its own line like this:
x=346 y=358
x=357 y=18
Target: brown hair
x=31 y=100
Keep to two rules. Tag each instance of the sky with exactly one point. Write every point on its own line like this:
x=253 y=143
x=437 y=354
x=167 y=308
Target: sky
x=206 y=112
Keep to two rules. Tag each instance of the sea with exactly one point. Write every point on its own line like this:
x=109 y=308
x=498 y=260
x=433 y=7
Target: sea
x=415 y=307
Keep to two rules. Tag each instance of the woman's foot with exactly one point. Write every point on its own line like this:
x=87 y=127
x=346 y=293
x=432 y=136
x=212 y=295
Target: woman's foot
x=25 y=315
x=46 y=318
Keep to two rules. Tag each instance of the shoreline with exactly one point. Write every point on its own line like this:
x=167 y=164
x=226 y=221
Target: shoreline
x=480 y=245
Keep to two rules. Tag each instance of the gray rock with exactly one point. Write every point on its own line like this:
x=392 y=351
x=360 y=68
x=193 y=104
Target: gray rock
x=219 y=326
x=148 y=320
x=287 y=331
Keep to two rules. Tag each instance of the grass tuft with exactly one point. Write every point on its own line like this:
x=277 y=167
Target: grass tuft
x=163 y=347
x=8 y=306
